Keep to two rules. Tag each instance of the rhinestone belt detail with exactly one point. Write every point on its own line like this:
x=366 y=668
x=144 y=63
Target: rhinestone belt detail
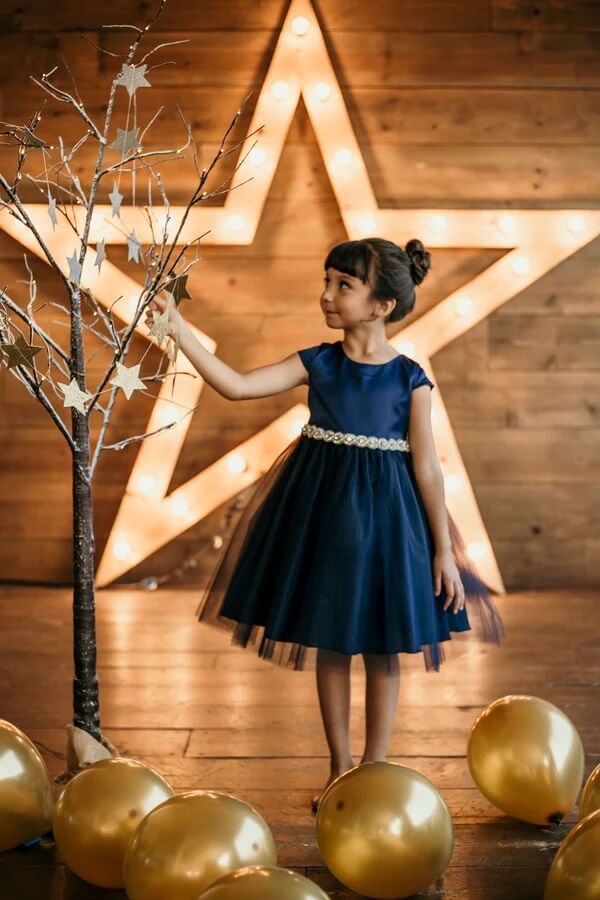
x=360 y=440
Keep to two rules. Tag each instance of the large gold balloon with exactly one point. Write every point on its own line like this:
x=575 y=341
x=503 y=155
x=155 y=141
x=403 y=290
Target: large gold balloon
x=26 y=799
x=264 y=883
x=384 y=830
x=189 y=841
x=589 y=801
x=98 y=812
x=527 y=758
x=575 y=870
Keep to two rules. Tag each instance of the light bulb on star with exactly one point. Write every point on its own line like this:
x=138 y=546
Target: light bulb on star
x=321 y=91
x=280 y=90
x=237 y=463
x=300 y=26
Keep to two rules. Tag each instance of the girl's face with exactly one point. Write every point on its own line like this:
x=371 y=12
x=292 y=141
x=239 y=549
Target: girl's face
x=345 y=299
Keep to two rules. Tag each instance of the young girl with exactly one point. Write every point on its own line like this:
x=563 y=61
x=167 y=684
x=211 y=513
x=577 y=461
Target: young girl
x=346 y=545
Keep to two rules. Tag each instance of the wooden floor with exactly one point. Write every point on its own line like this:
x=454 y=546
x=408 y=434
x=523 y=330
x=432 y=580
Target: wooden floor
x=208 y=715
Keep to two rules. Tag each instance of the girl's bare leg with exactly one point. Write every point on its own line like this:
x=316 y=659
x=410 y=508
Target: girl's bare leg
x=333 y=685
x=381 y=697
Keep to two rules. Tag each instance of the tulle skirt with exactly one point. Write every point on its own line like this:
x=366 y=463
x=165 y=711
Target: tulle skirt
x=333 y=550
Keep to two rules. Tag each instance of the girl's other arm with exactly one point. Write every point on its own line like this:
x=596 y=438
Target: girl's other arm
x=430 y=480
x=261 y=382
x=426 y=465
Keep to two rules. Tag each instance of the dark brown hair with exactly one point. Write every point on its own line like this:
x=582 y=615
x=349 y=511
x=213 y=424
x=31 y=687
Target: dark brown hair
x=390 y=270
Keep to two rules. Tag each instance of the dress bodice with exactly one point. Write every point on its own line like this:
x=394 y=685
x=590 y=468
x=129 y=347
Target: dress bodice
x=361 y=398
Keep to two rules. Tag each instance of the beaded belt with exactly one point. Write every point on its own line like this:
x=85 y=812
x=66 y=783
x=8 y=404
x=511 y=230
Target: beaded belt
x=361 y=440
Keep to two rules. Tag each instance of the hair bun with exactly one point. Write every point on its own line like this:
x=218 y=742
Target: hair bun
x=420 y=260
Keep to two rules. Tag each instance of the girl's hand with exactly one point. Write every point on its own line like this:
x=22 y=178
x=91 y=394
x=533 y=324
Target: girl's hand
x=444 y=567
x=175 y=320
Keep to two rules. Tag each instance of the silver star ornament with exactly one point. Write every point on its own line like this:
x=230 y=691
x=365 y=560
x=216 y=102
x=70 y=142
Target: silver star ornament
x=128 y=379
x=125 y=140
x=116 y=199
x=74 y=396
x=132 y=77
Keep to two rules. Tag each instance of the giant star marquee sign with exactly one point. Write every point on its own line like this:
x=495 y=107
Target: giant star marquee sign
x=535 y=241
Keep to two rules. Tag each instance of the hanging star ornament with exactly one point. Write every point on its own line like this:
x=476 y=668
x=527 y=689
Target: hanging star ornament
x=132 y=77
x=160 y=326
x=52 y=210
x=125 y=141
x=20 y=353
x=178 y=288
x=100 y=254
x=128 y=379
x=116 y=199
x=74 y=268
x=133 y=247
x=74 y=396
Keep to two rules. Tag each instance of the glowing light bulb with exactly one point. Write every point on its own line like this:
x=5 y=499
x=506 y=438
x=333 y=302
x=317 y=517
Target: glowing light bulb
x=180 y=506
x=507 y=223
x=520 y=265
x=280 y=90
x=463 y=305
x=475 y=550
x=168 y=415
x=296 y=427
x=452 y=483
x=258 y=156
x=235 y=222
x=300 y=26
x=438 y=223
x=343 y=156
x=121 y=549
x=146 y=483
x=576 y=224
x=236 y=463
x=321 y=91
x=366 y=223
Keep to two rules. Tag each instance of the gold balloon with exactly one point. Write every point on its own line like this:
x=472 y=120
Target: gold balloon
x=384 y=830
x=527 y=758
x=264 y=883
x=98 y=812
x=575 y=870
x=189 y=841
x=589 y=801
x=26 y=799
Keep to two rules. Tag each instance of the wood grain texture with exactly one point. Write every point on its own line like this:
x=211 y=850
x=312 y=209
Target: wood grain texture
x=493 y=102
x=208 y=716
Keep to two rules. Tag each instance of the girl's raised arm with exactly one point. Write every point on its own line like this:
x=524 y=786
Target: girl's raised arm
x=261 y=382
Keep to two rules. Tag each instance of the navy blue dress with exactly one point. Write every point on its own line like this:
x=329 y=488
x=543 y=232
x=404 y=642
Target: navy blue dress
x=334 y=547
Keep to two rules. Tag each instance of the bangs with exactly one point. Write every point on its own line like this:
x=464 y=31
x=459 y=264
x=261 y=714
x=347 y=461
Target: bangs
x=352 y=258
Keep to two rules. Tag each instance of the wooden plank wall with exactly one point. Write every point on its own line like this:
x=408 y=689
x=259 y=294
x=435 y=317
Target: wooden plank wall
x=485 y=102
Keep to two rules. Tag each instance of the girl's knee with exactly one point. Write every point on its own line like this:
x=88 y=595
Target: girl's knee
x=387 y=662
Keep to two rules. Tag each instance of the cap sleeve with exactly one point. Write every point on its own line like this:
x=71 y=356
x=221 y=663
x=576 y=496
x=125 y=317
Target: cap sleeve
x=307 y=355
x=419 y=377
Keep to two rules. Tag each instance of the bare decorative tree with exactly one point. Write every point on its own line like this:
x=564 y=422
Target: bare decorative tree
x=165 y=271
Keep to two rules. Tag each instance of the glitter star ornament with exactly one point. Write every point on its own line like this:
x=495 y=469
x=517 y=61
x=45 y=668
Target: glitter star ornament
x=128 y=379
x=74 y=396
x=133 y=246
x=125 y=140
x=178 y=288
x=160 y=326
x=20 y=353
x=100 y=254
x=74 y=268
x=116 y=199
x=52 y=210
x=132 y=77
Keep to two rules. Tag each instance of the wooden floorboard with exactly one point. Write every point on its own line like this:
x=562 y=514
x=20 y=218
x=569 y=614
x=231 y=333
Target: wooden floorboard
x=208 y=715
